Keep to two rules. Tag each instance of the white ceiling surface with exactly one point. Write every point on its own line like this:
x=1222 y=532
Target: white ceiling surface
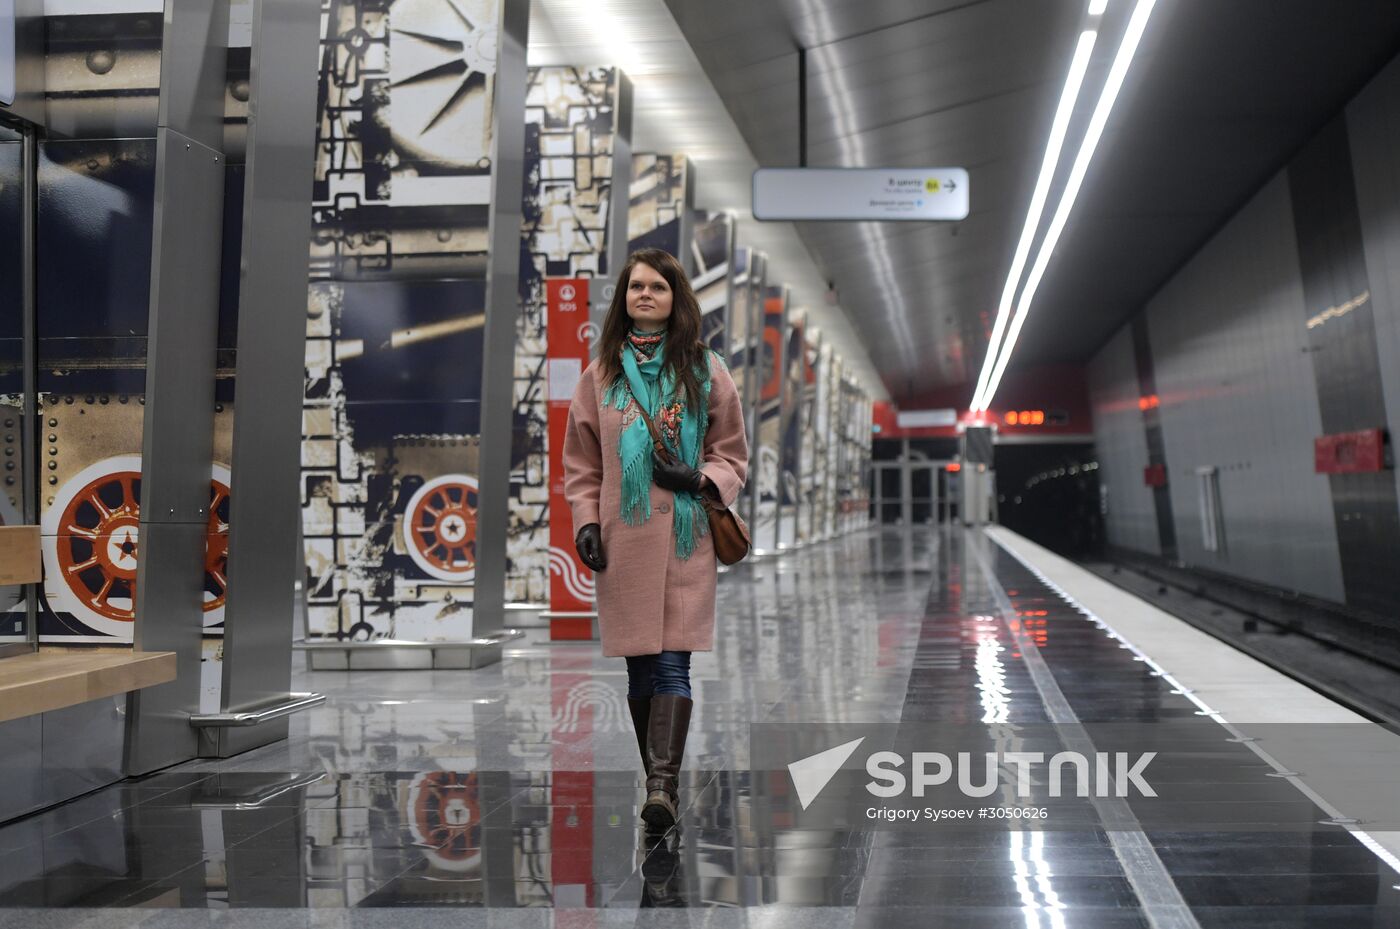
x=676 y=109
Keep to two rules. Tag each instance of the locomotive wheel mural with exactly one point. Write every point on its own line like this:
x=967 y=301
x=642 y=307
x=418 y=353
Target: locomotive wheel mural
x=440 y=527
x=97 y=545
x=92 y=543
x=216 y=548
x=446 y=819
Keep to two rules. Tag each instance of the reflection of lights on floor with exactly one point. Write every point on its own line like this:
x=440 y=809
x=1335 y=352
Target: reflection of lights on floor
x=991 y=673
x=1032 y=876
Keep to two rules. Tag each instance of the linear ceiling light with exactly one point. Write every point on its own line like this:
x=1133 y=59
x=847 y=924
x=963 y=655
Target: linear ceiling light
x=1137 y=23
x=1048 y=164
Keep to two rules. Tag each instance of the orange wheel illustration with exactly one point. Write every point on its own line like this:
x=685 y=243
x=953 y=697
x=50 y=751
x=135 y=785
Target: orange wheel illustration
x=440 y=527
x=447 y=817
x=98 y=539
x=216 y=551
x=93 y=543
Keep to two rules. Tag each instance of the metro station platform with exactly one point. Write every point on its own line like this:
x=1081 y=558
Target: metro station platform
x=508 y=796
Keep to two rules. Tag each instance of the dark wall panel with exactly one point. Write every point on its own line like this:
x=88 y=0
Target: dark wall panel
x=1283 y=328
x=1341 y=328
x=1152 y=430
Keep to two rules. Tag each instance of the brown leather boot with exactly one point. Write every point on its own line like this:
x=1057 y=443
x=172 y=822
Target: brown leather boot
x=666 y=732
x=641 y=712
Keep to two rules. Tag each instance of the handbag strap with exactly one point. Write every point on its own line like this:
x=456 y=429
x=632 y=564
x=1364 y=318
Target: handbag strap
x=656 y=441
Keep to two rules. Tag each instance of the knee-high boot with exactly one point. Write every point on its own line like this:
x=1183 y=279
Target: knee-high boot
x=666 y=732
x=641 y=713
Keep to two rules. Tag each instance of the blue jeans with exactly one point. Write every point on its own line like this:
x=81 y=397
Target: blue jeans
x=654 y=675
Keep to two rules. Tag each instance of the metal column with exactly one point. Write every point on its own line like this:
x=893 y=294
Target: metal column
x=784 y=411
x=29 y=439
x=906 y=486
x=879 y=494
x=264 y=504
x=728 y=346
x=686 y=231
x=619 y=192
x=977 y=478
x=752 y=389
x=502 y=315
x=178 y=429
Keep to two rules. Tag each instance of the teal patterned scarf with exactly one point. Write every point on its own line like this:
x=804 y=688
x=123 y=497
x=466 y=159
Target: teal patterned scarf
x=655 y=389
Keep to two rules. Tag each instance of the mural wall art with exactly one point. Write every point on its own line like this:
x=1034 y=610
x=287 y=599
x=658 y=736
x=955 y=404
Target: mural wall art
x=659 y=205
x=739 y=337
x=96 y=183
x=765 y=458
x=808 y=461
x=795 y=370
x=844 y=408
x=854 y=430
x=824 y=444
x=96 y=210
x=571 y=118
x=395 y=310
x=712 y=252
x=745 y=357
x=863 y=511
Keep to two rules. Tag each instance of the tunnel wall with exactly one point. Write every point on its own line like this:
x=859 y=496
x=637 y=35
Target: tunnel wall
x=1284 y=327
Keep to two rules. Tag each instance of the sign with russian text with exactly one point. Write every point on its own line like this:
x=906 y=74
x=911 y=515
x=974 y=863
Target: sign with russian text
x=866 y=194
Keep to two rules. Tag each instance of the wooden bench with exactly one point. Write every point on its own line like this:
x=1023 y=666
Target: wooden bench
x=53 y=678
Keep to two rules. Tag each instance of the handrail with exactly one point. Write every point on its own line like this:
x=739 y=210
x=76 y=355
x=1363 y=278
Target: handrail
x=255 y=800
x=493 y=638
x=294 y=703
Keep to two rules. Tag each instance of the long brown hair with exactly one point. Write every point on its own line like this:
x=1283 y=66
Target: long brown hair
x=685 y=353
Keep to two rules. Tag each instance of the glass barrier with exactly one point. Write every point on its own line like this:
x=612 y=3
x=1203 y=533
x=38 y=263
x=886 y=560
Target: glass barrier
x=15 y=630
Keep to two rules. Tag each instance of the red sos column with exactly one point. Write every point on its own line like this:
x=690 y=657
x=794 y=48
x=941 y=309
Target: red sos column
x=570 y=335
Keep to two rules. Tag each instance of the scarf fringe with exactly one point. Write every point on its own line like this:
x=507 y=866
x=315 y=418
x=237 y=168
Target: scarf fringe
x=636 y=490
x=691 y=522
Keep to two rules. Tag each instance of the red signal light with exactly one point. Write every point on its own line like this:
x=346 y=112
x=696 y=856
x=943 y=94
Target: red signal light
x=1025 y=417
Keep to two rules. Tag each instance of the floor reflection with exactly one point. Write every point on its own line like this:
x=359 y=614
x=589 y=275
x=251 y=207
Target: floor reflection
x=517 y=787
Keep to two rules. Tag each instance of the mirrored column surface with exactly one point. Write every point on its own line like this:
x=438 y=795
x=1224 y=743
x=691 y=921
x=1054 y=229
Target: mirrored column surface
x=514 y=786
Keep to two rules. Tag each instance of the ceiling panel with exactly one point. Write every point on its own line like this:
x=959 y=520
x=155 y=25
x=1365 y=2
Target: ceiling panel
x=676 y=109
x=1220 y=95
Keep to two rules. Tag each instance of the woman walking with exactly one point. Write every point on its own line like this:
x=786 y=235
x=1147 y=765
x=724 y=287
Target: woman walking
x=638 y=517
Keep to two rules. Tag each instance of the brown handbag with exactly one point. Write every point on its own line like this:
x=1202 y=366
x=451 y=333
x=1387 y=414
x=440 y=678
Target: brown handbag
x=730 y=532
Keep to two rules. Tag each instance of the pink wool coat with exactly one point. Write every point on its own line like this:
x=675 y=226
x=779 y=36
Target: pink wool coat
x=649 y=600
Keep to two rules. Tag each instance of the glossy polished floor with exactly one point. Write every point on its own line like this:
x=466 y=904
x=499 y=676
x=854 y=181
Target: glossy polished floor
x=508 y=796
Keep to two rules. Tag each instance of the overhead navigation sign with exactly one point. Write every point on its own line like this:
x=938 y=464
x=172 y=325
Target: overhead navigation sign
x=866 y=194
x=925 y=419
